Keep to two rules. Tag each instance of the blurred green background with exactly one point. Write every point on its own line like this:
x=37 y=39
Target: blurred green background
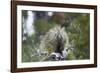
x=37 y=23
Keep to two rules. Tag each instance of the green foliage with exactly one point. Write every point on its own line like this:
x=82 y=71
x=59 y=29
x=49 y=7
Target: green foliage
x=77 y=30
x=71 y=56
x=80 y=38
x=41 y=26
